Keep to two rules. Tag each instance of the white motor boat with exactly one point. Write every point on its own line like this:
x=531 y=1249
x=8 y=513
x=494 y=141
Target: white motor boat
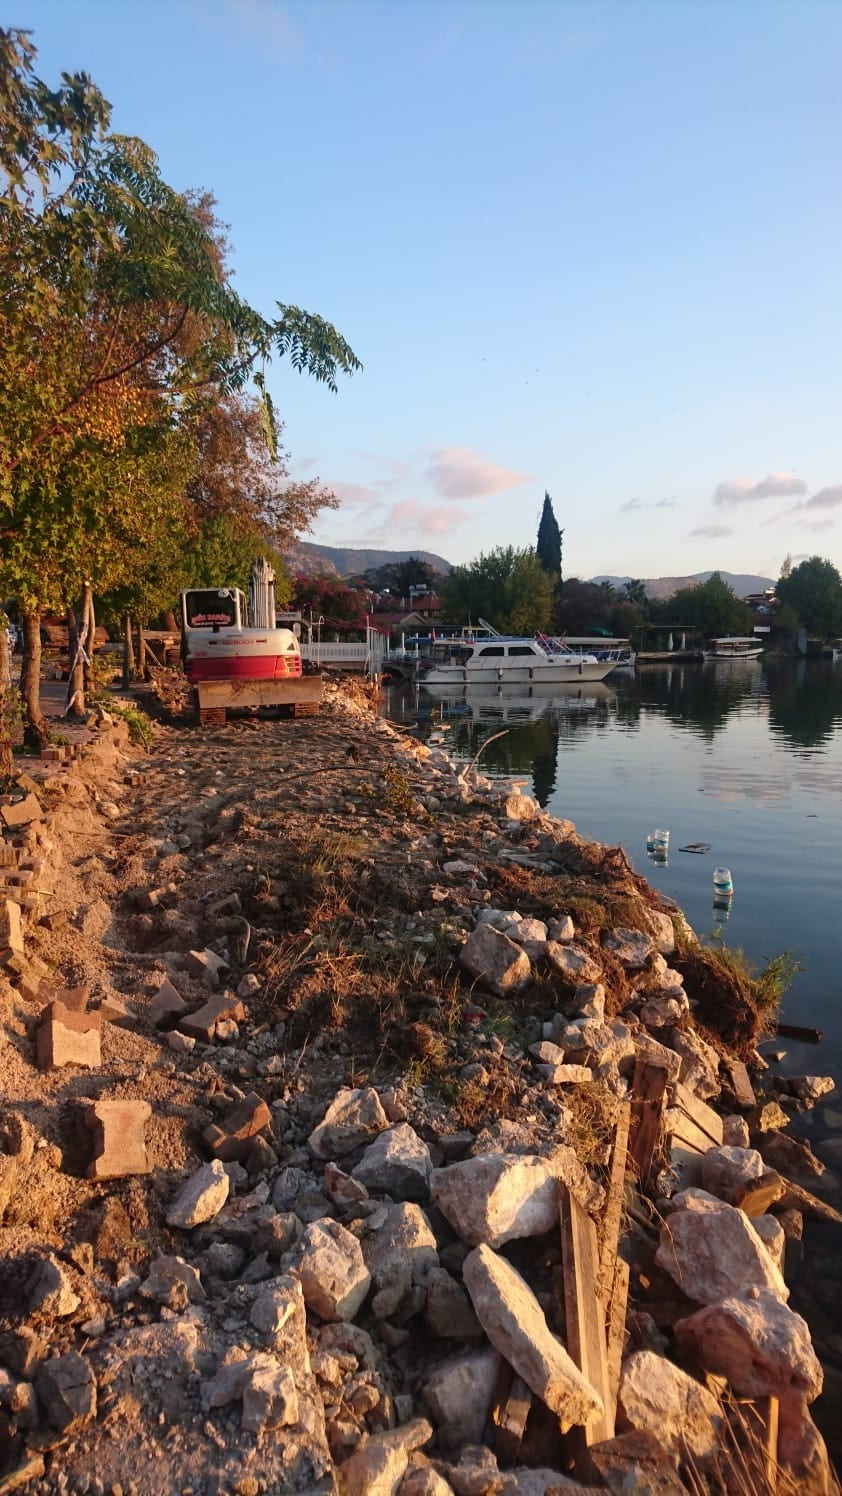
x=500 y=659
x=734 y=647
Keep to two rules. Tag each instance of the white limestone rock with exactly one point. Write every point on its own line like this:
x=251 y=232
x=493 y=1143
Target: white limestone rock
x=460 y=1391
x=353 y=1117
x=515 y=1324
x=758 y=1343
x=712 y=1252
x=201 y=1197
x=631 y=947
x=334 y=1277
x=572 y=962
x=726 y=1170
x=496 y=960
x=496 y=1197
x=397 y=1163
x=405 y=1240
x=657 y=1397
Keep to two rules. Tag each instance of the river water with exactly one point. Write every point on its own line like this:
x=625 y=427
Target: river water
x=745 y=757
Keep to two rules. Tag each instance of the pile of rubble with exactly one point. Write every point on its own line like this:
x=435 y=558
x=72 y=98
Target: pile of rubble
x=238 y=1260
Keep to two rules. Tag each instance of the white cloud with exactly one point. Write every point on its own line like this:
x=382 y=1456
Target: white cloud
x=826 y=498
x=744 y=490
x=637 y=503
x=712 y=532
x=462 y=473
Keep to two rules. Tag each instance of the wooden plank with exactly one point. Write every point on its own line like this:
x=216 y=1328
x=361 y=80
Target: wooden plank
x=648 y=1088
x=509 y=1412
x=755 y=1197
x=584 y=1318
x=616 y=1328
x=706 y=1119
x=796 y=1196
x=614 y=1204
x=795 y=1031
x=738 y=1082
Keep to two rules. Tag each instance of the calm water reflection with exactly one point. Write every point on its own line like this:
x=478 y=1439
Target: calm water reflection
x=746 y=756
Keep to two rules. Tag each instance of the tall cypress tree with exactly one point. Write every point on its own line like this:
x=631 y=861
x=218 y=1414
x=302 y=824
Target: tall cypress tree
x=549 y=541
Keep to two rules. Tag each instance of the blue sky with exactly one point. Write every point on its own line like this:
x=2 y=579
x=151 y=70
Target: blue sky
x=586 y=247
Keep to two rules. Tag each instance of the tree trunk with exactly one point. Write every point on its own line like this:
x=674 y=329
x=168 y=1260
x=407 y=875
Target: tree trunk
x=6 y=763
x=76 y=677
x=170 y=622
x=89 y=619
x=35 y=726
x=141 y=651
x=128 y=652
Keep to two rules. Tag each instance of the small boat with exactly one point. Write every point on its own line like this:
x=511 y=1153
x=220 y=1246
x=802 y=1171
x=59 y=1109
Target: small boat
x=734 y=647
x=619 y=651
x=502 y=659
x=218 y=644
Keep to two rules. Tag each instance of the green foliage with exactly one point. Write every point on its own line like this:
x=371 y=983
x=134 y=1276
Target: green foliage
x=508 y=587
x=139 y=725
x=548 y=548
x=814 y=590
x=712 y=607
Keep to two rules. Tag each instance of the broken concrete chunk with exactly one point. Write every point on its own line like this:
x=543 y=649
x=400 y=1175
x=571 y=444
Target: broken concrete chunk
x=68 y=1038
x=631 y=947
x=11 y=927
x=232 y=1140
x=173 y=1282
x=353 y=1117
x=572 y=963
x=404 y=1240
x=201 y=1197
x=460 y=1392
x=119 y=1143
x=378 y=1465
x=270 y=1398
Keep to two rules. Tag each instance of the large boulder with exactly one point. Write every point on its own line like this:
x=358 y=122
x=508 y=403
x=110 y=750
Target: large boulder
x=496 y=960
x=405 y=1243
x=659 y=1398
x=497 y=1197
x=726 y=1170
x=515 y=1324
x=713 y=1252
x=758 y=1343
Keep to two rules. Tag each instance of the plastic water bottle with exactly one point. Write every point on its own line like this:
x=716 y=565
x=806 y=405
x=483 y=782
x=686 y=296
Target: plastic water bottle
x=660 y=843
x=723 y=884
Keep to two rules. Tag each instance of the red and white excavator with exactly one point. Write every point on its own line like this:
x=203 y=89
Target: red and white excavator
x=235 y=656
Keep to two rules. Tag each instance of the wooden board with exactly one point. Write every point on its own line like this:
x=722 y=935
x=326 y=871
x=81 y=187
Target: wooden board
x=509 y=1412
x=648 y=1088
x=614 y=1204
x=616 y=1326
x=706 y=1119
x=738 y=1082
x=584 y=1317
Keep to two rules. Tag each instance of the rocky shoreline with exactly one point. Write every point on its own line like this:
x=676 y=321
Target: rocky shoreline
x=365 y=1129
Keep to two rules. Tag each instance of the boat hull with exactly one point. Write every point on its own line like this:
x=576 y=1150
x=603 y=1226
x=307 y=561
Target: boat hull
x=555 y=672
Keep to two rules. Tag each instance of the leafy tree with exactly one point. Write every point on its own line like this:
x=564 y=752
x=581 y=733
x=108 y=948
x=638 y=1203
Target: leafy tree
x=712 y=606
x=116 y=321
x=635 y=592
x=331 y=599
x=508 y=587
x=814 y=590
x=548 y=547
x=585 y=606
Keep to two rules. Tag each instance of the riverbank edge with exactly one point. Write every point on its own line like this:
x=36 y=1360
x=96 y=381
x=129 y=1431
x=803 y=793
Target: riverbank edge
x=521 y=820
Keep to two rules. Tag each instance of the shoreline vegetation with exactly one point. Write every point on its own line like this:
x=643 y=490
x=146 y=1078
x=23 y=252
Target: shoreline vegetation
x=368 y=1129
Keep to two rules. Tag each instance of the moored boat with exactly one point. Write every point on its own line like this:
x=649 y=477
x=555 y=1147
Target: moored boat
x=510 y=660
x=734 y=647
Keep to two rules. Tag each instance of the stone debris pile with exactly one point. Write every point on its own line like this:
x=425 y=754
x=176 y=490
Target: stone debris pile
x=557 y=1267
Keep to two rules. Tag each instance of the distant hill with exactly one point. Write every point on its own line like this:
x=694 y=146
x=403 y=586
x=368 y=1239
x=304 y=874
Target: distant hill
x=742 y=583
x=314 y=560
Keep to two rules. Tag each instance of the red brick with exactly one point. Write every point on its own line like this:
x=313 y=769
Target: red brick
x=21 y=812
x=202 y=1023
x=68 y=1038
x=167 y=1005
x=233 y=1139
x=119 y=1143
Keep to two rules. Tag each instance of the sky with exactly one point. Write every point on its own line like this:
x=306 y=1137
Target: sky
x=589 y=247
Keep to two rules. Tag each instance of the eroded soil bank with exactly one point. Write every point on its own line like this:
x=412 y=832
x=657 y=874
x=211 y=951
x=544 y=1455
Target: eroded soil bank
x=313 y=1050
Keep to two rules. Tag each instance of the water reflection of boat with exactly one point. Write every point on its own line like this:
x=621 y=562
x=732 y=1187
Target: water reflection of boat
x=519 y=702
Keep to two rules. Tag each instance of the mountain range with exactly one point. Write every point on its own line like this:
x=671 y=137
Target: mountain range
x=741 y=583
x=309 y=559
